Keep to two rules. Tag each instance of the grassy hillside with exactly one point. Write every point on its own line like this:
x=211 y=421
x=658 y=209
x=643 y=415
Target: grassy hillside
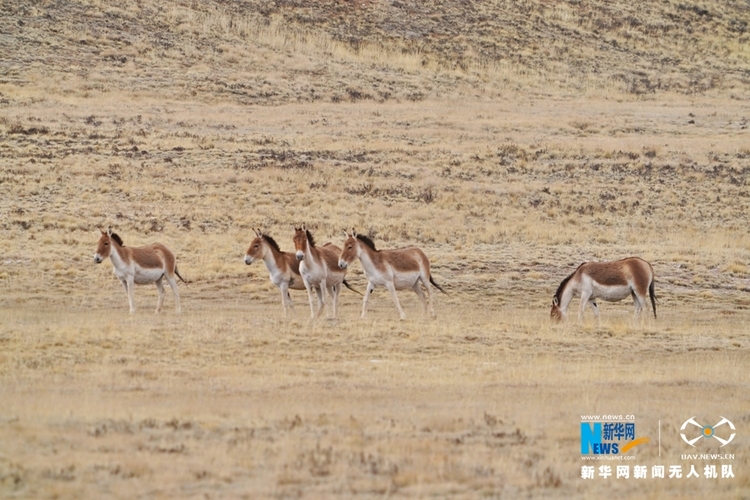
x=257 y=52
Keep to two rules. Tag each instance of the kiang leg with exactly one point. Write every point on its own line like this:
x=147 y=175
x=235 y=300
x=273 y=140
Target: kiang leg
x=129 y=284
x=640 y=303
x=595 y=308
x=418 y=290
x=392 y=289
x=320 y=290
x=127 y=292
x=173 y=285
x=286 y=299
x=584 y=302
x=366 y=298
x=430 y=292
x=334 y=290
x=160 y=289
x=310 y=297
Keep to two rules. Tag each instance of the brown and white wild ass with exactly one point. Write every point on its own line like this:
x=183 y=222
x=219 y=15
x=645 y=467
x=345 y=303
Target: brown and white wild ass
x=139 y=266
x=610 y=281
x=319 y=270
x=283 y=267
x=394 y=269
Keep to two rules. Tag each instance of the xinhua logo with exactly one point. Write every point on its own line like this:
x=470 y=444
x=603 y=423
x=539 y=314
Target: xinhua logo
x=608 y=438
x=706 y=432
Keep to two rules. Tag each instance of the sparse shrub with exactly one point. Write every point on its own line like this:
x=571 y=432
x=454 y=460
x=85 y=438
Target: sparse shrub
x=357 y=95
x=427 y=195
x=738 y=26
x=92 y=120
x=363 y=190
x=17 y=128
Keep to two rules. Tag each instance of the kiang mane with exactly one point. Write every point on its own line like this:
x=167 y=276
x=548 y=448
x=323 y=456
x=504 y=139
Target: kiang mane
x=310 y=239
x=272 y=242
x=558 y=293
x=367 y=241
x=115 y=237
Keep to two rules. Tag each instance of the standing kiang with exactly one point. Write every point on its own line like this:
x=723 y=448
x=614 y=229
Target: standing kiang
x=140 y=266
x=319 y=270
x=610 y=281
x=283 y=267
x=399 y=269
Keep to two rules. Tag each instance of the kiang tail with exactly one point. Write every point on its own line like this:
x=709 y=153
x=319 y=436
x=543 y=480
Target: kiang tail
x=437 y=286
x=652 y=294
x=347 y=285
x=178 y=275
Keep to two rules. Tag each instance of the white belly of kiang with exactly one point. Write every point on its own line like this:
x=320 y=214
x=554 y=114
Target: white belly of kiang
x=612 y=293
x=145 y=276
x=406 y=280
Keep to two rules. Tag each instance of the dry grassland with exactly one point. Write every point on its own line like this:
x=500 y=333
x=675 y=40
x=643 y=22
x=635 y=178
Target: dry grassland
x=192 y=124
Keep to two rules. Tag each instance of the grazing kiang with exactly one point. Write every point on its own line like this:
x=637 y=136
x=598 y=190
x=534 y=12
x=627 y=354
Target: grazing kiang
x=399 y=269
x=610 y=281
x=283 y=267
x=139 y=266
x=319 y=270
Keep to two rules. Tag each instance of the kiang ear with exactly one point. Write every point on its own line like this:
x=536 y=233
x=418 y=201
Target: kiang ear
x=555 y=302
x=109 y=231
x=354 y=233
x=346 y=233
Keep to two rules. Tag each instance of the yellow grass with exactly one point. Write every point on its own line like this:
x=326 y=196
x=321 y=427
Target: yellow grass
x=243 y=403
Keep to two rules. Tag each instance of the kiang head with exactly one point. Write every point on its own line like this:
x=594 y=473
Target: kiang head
x=256 y=249
x=556 y=314
x=104 y=247
x=302 y=240
x=350 y=250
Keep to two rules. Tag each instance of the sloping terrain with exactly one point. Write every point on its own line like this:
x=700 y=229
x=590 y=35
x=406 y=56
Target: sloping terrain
x=272 y=52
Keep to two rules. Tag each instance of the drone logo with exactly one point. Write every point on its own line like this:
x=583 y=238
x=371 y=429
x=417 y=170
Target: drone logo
x=707 y=431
